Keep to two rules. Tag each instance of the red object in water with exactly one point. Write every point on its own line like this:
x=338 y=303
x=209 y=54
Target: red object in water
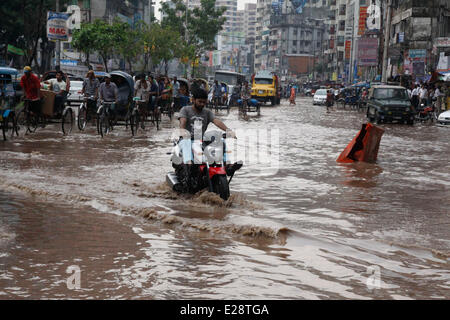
x=364 y=147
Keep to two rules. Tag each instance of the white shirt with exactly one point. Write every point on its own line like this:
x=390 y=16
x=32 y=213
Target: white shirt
x=409 y=93
x=423 y=93
x=57 y=86
x=142 y=92
x=415 y=92
x=437 y=93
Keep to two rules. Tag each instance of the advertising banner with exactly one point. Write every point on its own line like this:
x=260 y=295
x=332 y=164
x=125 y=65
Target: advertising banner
x=368 y=52
x=373 y=20
x=418 y=54
x=348 y=47
x=57 y=25
x=362 y=20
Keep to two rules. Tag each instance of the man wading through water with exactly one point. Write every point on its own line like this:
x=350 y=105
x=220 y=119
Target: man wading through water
x=195 y=119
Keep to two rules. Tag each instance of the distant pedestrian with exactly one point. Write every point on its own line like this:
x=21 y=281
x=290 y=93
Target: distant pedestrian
x=415 y=97
x=292 y=97
x=330 y=99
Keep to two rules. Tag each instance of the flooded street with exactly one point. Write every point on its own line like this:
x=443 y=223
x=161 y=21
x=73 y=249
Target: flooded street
x=314 y=229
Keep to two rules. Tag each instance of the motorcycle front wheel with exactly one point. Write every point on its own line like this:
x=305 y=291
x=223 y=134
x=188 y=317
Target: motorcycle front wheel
x=221 y=187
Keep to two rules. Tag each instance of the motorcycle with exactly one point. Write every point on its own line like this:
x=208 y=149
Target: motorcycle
x=426 y=113
x=207 y=171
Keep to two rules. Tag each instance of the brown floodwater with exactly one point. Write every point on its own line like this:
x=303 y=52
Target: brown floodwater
x=310 y=229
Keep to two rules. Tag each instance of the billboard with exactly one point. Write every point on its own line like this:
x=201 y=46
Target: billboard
x=368 y=52
x=348 y=48
x=373 y=20
x=57 y=25
x=362 y=20
x=298 y=5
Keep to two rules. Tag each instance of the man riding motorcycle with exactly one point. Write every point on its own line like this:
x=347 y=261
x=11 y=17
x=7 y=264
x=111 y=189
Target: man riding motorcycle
x=195 y=120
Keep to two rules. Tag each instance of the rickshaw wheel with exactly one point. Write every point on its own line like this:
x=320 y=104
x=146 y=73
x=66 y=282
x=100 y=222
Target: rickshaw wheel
x=134 y=123
x=67 y=121
x=82 y=118
x=104 y=125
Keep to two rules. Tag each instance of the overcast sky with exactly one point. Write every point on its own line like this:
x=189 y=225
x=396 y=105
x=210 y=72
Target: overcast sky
x=241 y=4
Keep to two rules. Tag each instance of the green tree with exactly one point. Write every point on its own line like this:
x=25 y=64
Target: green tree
x=164 y=44
x=25 y=22
x=83 y=40
x=129 y=41
x=203 y=23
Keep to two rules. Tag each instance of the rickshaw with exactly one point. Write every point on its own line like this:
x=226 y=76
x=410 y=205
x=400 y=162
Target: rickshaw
x=29 y=120
x=252 y=105
x=7 y=101
x=109 y=114
x=348 y=96
x=201 y=83
x=223 y=103
x=139 y=113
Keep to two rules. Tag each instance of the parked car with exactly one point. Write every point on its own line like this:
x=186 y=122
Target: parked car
x=75 y=96
x=444 y=117
x=388 y=103
x=320 y=97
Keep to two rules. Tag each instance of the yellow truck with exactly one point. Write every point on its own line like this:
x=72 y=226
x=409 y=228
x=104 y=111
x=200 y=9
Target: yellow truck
x=265 y=87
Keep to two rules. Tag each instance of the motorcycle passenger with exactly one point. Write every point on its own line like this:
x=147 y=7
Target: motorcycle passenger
x=195 y=119
x=31 y=86
x=90 y=89
x=108 y=91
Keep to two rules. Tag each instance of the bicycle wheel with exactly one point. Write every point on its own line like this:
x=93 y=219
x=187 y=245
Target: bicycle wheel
x=134 y=122
x=82 y=118
x=21 y=124
x=32 y=122
x=67 y=121
x=104 y=125
x=157 y=117
x=11 y=127
x=4 y=123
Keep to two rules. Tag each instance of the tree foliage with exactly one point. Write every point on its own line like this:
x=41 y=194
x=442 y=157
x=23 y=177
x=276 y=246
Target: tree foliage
x=203 y=23
x=24 y=22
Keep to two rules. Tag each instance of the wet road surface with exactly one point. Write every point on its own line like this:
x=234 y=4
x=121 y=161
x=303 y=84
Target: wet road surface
x=311 y=229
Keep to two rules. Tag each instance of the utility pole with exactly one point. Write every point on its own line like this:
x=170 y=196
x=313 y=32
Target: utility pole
x=58 y=43
x=387 y=33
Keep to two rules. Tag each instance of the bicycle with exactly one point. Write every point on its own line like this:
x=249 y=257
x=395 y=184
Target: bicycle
x=155 y=115
x=86 y=113
x=7 y=117
x=104 y=120
x=138 y=114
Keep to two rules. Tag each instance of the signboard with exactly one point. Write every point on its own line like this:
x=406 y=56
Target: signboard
x=417 y=53
x=15 y=50
x=444 y=63
x=401 y=37
x=442 y=42
x=368 y=52
x=362 y=20
x=348 y=47
x=57 y=25
x=373 y=20
x=69 y=62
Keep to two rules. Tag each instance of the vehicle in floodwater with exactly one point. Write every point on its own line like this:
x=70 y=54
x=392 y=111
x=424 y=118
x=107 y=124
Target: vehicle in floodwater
x=207 y=171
